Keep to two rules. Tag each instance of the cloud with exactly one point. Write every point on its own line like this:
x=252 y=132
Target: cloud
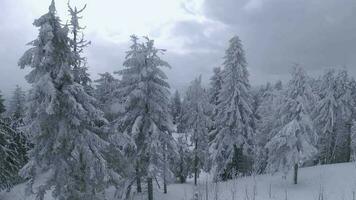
x=276 y=33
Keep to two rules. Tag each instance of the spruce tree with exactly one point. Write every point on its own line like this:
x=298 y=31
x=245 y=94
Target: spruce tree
x=270 y=97
x=146 y=118
x=293 y=141
x=333 y=117
x=63 y=120
x=176 y=107
x=325 y=117
x=198 y=124
x=234 y=119
x=215 y=87
x=78 y=44
x=105 y=92
x=2 y=106
x=346 y=106
x=10 y=161
x=17 y=106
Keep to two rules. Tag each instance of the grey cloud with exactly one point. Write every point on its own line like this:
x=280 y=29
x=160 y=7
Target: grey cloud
x=316 y=33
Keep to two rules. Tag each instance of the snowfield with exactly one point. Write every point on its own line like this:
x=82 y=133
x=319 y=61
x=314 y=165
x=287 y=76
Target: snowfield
x=332 y=182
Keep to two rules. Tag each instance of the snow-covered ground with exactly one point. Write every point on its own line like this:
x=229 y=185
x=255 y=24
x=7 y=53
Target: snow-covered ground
x=336 y=182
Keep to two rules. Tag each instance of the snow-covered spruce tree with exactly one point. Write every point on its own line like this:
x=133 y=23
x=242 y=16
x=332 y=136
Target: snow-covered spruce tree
x=324 y=117
x=78 y=44
x=10 y=160
x=346 y=106
x=16 y=113
x=182 y=167
x=333 y=117
x=232 y=144
x=353 y=141
x=146 y=117
x=17 y=107
x=198 y=124
x=270 y=99
x=176 y=107
x=293 y=142
x=67 y=155
x=105 y=92
x=215 y=87
x=2 y=105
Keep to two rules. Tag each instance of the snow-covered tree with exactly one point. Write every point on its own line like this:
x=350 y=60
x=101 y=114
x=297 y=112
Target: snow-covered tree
x=16 y=114
x=176 y=107
x=78 y=44
x=215 y=86
x=333 y=117
x=183 y=166
x=270 y=99
x=293 y=141
x=325 y=117
x=353 y=141
x=105 y=92
x=9 y=159
x=146 y=118
x=232 y=143
x=346 y=106
x=2 y=106
x=67 y=157
x=198 y=124
x=17 y=107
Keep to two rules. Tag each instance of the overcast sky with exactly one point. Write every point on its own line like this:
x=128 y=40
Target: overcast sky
x=318 y=34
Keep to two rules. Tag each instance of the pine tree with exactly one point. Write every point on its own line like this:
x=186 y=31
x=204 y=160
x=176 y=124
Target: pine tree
x=146 y=117
x=78 y=44
x=10 y=161
x=325 y=117
x=270 y=97
x=215 y=84
x=333 y=117
x=16 y=113
x=344 y=115
x=105 y=92
x=176 y=107
x=293 y=141
x=17 y=107
x=68 y=148
x=182 y=167
x=2 y=106
x=197 y=116
x=353 y=141
x=234 y=119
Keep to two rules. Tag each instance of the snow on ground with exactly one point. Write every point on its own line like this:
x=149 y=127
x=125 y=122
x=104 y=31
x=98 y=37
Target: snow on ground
x=337 y=181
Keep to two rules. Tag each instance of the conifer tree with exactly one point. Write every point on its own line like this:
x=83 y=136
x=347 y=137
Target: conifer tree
x=198 y=124
x=215 y=84
x=17 y=106
x=78 y=44
x=10 y=161
x=2 y=106
x=146 y=118
x=232 y=144
x=106 y=93
x=176 y=107
x=63 y=121
x=293 y=141
x=271 y=97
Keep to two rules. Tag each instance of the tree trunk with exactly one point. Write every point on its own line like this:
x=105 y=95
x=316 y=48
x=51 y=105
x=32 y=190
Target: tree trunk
x=165 y=187
x=196 y=163
x=295 y=173
x=138 y=181
x=165 y=170
x=150 y=188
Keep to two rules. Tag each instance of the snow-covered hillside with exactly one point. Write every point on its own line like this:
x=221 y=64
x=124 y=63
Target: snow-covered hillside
x=336 y=181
